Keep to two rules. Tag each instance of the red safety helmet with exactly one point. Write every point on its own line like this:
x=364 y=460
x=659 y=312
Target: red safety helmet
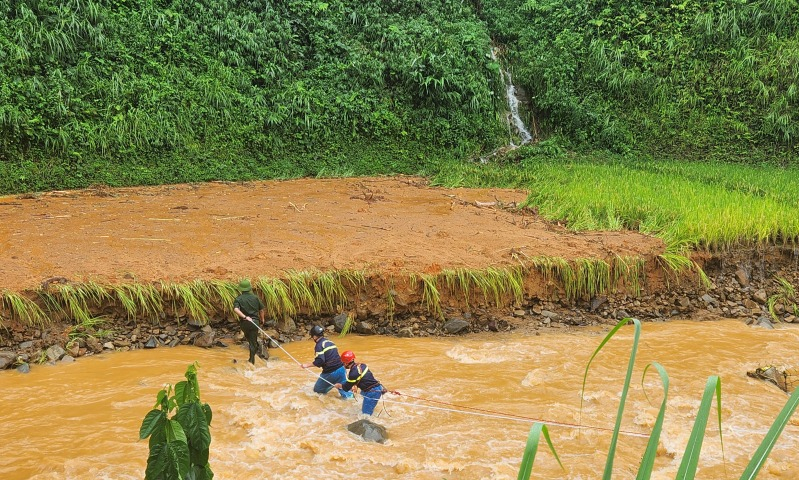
x=347 y=357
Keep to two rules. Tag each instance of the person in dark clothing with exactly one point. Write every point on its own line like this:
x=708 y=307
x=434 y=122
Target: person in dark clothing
x=250 y=310
x=326 y=357
x=360 y=376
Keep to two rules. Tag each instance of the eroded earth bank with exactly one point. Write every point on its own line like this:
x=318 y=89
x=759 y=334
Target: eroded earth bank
x=390 y=256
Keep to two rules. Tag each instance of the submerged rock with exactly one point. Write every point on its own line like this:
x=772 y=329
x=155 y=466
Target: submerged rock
x=771 y=374
x=369 y=431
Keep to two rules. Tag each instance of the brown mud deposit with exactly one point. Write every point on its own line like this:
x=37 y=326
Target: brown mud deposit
x=228 y=231
x=384 y=227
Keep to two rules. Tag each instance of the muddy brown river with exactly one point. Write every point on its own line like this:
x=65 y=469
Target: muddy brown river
x=81 y=421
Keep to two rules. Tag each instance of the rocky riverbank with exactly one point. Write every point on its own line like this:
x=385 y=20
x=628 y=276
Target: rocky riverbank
x=754 y=286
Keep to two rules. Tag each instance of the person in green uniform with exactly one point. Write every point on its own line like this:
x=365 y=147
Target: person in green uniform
x=250 y=310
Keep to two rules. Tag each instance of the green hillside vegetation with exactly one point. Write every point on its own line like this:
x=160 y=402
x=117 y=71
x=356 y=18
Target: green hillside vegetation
x=685 y=79
x=126 y=92
x=160 y=91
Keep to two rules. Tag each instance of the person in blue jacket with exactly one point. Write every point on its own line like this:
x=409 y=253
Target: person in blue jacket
x=327 y=358
x=360 y=376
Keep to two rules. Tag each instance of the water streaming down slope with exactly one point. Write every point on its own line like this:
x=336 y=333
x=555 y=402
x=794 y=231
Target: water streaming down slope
x=81 y=420
x=516 y=126
x=513 y=105
x=513 y=118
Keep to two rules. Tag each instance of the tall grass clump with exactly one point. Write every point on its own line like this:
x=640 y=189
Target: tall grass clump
x=699 y=205
x=588 y=277
x=691 y=457
x=312 y=291
x=498 y=285
x=276 y=297
x=16 y=305
x=431 y=297
x=78 y=299
x=139 y=300
x=194 y=297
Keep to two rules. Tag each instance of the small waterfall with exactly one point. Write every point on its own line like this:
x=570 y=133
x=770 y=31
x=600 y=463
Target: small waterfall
x=513 y=119
x=513 y=104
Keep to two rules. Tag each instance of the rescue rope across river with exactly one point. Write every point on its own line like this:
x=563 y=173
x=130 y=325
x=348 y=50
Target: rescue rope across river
x=465 y=410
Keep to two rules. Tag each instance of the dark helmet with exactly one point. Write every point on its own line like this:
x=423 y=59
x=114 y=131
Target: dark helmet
x=317 y=331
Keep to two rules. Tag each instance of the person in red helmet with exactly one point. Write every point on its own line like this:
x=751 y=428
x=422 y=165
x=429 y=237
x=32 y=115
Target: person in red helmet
x=360 y=376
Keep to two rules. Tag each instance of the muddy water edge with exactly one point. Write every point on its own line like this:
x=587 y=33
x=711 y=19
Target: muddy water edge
x=82 y=420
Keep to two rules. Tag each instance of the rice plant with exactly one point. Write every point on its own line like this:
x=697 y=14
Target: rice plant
x=22 y=308
x=390 y=304
x=629 y=272
x=582 y=277
x=329 y=291
x=679 y=265
x=78 y=299
x=301 y=291
x=139 y=300
x=694 y=204
x=193 y=296
x=355 y=278
x=691 y=456
x=496 y=284
x=85 y=329
x=786 y=295
x=276 y=296
x=347 y=325
x=431 y=297
x=225 y=292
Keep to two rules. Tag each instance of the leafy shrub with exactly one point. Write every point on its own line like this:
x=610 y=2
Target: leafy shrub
x=179 y=445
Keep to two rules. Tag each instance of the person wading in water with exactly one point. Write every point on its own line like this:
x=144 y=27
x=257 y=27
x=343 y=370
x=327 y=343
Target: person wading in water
x=250 y=310
x=360 y=376
x=328 y=360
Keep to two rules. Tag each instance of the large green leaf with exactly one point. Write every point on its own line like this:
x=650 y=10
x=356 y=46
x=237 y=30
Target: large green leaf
x=153 y=421
x=774 y=432
x=199 y=473
x=168 y=461
x=208 y=413
x=192 y=418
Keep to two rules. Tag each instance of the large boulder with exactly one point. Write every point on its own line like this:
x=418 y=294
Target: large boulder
x=7 y=359
x=456 y=325
x=369 y=431
x=205 y=339
x=340 y=321
x=285 y=324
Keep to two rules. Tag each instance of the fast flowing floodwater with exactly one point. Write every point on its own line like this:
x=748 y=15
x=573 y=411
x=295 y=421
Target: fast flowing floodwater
x=81 y=421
